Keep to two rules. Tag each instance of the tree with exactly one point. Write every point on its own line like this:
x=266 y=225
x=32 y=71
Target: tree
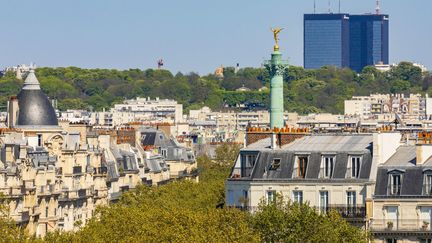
x=227 y=153
x=9 y=231
x=284 y=221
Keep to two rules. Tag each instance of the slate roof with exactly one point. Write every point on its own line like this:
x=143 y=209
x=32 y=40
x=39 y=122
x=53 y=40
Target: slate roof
x=35 y=109
x=331 y=143
x=403 y=162
x=158 y=139
x=315 y=147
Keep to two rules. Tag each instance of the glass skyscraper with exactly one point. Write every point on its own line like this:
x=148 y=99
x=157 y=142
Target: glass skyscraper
x=344 y=40
x=326 y=40
x=369 y=40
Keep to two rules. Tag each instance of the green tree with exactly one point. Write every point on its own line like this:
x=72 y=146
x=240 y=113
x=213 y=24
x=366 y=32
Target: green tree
x=227 y=153
x=283 y=221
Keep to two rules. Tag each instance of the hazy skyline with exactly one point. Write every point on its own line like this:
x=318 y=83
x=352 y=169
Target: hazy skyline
x=190 y=35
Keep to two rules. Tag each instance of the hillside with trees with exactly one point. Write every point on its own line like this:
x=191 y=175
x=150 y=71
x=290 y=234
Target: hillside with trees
x=320 y=90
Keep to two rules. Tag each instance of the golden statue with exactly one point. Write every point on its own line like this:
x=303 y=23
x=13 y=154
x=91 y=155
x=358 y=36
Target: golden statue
x=276 y=32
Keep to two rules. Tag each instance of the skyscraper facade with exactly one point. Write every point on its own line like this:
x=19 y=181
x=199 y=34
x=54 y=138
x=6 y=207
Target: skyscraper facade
x=326 y=40
x=369 y=40
x=344 y=40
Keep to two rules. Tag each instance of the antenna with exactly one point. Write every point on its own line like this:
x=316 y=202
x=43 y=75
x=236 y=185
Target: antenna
x=329 y=10
x=314 y=6
x=339 y=6
x=378 y=7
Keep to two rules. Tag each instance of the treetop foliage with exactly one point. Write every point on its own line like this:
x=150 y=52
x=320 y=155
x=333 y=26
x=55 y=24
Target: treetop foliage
x=305 y=91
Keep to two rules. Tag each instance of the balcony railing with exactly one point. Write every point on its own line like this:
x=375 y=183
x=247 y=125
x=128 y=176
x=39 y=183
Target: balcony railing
x=347 y=211
x=401 y=225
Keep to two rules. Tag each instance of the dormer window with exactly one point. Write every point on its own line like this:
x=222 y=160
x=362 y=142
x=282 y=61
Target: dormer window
x=327 y=166
x=275 y=164
x=395 y=183
x=300 y=166
x=427 y=185
x=354 y=165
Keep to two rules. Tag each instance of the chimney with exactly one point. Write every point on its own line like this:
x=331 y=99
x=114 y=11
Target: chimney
x=385 y=145
x=12 y=111
x=423 y=153
x=273 y=140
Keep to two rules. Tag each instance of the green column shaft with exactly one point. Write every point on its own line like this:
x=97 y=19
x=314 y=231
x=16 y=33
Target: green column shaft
x=276 y=92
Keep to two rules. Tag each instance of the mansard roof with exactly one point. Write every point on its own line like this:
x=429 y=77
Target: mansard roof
x=340 y=147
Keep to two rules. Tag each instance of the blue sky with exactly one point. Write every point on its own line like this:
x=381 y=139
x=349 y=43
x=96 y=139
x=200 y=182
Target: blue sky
x=190 y=35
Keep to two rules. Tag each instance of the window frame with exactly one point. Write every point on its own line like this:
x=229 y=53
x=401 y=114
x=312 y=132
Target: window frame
x=297 y=198
x=275 y=166
x=395 y=191
x=327 y=160
x=324 y=208
x=359 y=160
x=353 y=198
x=272 y=198
x=427 y=182
x=297 y=168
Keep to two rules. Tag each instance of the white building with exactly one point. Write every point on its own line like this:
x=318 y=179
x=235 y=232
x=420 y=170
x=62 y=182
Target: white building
x=21 y=70
x=411 y=107
x=140 y=110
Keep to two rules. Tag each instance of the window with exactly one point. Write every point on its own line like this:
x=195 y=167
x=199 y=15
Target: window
x=301 y=167
x=395 y=184
x=427 y=184
x=425 y=240
x=247 y=163
x=271 y=196
x=323 y=201
x=298 y=196
x=275 y=164
x=245 y=198
x=327 y=166
x=164 y=153
x=391 y=241
x=351 y=199
x=39 y=137
x=46 y=212
x=354 y=166
x=324 y=198
x=230 y=198
x=392 y=216
x=425 y=217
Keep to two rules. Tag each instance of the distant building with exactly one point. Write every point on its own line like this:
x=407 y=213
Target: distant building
x=21 y=70
x=140 y=110
x=345 y=40
x=369 y=40
x=413 y=107
x=326 y=40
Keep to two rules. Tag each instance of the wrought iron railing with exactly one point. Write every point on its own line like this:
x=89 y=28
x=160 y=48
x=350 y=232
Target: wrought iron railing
x=378 y=225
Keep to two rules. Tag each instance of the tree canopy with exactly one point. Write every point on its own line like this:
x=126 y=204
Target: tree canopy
x=305 y=91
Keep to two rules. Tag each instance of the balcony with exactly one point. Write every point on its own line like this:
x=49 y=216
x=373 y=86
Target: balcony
x=100 y=171
x=13 y=191
x=348 y=212
x=399 y=227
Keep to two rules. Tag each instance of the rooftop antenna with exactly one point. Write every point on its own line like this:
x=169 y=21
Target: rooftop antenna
x=314 y=6
x=329 y=10
x=339 y=6
x=378 y=8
